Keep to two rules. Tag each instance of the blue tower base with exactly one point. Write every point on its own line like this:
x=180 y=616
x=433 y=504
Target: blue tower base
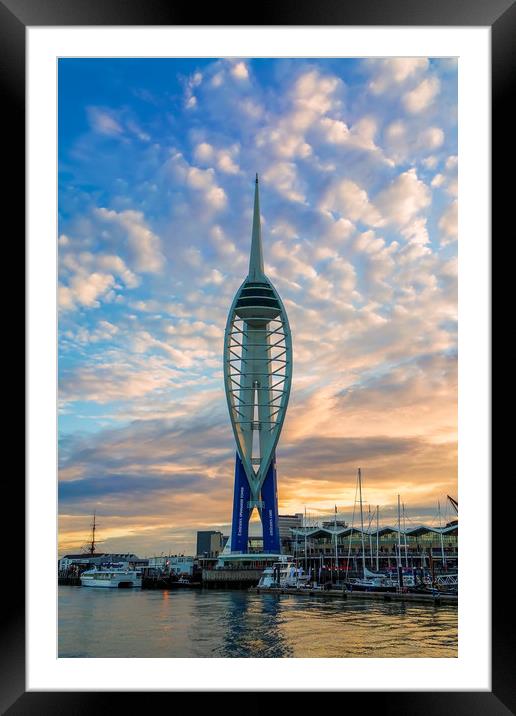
x=268 y=512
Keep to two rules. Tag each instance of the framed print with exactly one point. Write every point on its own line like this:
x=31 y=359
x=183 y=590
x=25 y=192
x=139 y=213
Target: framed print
x=258 y=285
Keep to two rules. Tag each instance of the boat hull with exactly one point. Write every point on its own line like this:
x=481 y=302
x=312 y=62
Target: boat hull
x=351 y=587
x=121 y=581
x=185 y=585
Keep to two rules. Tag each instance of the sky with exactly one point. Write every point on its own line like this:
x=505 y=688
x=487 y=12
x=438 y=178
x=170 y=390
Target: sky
x=357 y=161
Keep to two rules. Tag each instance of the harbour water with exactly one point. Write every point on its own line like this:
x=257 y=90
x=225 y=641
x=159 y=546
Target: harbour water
x=212 y=623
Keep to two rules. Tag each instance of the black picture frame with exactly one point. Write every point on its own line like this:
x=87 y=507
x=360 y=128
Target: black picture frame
x=500 y=16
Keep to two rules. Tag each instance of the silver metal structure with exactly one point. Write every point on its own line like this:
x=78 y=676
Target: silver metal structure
x=257 y=366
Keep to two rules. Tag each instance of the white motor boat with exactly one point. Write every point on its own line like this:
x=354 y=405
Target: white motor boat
x=283 y=574
x=371 y=582
x=115 y=577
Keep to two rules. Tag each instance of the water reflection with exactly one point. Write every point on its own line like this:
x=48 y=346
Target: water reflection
x=211 y=623
x=253 y=627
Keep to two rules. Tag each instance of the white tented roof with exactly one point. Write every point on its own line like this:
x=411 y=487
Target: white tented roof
x=330 y=531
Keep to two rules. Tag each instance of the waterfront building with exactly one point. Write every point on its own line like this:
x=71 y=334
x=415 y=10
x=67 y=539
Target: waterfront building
x=210 y=543
x=334 y=523
x=172 y=564
x=257 y=378
x=85 y=559
x=286 y=524
x=421 y=546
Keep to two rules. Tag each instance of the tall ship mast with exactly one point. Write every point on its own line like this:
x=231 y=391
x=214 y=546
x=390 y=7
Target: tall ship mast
x=92 y=543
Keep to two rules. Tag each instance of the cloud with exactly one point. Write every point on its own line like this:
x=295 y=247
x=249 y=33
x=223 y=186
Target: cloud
x=117 y=266
x=312 y=96
x=448 y=179
x=144 y=245
x=448 y=223
x=357 y=199
x=104 y=331
x=88 y=280
x=240 y=71
x=422 y=96
x=283 y=176
x=350 y=200
x=104 y=122
x=200 y=181
x=85 y=290
x=119 y=379
x=206 y=154
x=405 y=197
x=404 y=140
x=395 y=71
x=190 y=100
x=359 y=137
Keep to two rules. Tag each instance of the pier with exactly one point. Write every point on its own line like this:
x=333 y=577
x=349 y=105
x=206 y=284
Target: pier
x=69 y=580
x=344 y=594
x=231 y=578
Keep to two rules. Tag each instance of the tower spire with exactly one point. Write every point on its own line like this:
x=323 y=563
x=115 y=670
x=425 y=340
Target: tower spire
x=256 y=259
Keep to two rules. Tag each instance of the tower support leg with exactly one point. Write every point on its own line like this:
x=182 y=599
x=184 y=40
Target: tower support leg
x=241 y=511
x=269 y=511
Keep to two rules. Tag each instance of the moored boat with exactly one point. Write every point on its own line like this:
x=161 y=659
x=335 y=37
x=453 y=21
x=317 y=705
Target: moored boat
x=183 y=582
x=114 y=577
x=283 y=574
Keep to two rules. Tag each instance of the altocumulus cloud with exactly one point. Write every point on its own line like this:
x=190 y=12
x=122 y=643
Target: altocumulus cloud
x=358 y=160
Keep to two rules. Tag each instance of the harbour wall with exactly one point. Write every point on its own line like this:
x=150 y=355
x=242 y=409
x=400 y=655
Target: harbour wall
x=231 y=578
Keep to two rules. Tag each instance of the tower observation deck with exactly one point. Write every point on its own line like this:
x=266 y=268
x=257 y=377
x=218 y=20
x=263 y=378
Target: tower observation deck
x=257 y=378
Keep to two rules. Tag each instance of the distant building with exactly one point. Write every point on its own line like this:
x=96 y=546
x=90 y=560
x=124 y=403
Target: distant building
x=98 y=558
x=172 y=564
x=287 y=523
x=255 y=544
x=210 y=543
x=328 y=524
x=415 y=546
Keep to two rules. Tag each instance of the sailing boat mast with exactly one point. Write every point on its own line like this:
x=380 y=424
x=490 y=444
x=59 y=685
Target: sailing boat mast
x=336 y=546
x=405 y=537
x=377 y=537
x=361 y=521
x=441 y=533
x=370 y=536
x=306 y=556
x=398 y=560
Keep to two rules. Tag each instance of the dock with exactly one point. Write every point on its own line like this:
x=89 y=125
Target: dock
x=231 y=578
x=344 y=594
x=69 y=580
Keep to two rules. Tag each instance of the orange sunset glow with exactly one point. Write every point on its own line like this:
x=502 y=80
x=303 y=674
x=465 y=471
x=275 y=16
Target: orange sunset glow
x=358 y=170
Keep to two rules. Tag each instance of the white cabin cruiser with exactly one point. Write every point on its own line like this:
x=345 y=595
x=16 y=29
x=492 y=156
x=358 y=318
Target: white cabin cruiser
x=283 y=574
x=114 y=576
x=371 y=582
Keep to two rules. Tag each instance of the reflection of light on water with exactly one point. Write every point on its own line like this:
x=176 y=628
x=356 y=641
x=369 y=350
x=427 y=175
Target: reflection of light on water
x=369 y=629
x=210 y=623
